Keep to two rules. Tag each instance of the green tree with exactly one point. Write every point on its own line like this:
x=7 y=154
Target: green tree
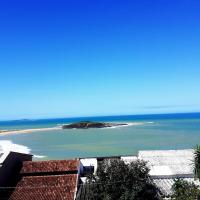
x=116 y=180
x=197 y=161
x=183 y=190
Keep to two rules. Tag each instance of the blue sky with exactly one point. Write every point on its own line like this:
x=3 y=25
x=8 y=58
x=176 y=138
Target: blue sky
x=108 y=57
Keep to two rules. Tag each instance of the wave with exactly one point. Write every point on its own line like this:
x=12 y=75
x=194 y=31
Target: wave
x=38 y=156
x=7 y=146
x=129 y=124
x=125 y=125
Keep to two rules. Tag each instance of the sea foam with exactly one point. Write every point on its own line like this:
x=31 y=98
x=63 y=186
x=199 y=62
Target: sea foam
x=7 y=145
x=38 y=156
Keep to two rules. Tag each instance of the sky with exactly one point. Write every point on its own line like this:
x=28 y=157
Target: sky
x=98 y=57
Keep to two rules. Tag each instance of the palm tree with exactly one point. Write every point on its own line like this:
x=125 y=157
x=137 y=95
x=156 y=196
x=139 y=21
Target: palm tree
x=197 y=161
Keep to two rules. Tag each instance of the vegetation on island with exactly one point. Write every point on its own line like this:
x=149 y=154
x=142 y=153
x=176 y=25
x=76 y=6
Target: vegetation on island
x=117 y=180
x=90 y=124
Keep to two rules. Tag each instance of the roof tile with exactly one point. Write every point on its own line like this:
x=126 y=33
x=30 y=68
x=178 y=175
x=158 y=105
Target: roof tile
x=49 y=166
x=58 y=187
x=40 y=182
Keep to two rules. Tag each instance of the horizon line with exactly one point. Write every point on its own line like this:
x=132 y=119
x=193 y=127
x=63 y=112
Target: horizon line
x=95 y=116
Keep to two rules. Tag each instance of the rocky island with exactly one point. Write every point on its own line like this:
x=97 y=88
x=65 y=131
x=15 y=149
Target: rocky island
x=89 y=124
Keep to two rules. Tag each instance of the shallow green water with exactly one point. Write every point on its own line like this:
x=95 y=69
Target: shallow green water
x=161 y=134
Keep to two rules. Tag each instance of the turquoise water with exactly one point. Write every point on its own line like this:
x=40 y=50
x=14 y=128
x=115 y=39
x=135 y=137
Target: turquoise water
x=155 y=132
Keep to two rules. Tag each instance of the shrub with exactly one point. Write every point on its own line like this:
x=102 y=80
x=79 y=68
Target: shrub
x=183 y=190
x=197 y=161
x=116 y=180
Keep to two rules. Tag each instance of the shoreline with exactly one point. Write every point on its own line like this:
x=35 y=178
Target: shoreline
x=13 y=132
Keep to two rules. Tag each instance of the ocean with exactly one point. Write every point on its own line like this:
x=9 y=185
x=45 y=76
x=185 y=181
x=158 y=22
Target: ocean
x=153 y=132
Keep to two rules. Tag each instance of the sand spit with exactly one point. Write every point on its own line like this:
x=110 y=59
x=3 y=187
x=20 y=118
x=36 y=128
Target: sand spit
x=13 y=132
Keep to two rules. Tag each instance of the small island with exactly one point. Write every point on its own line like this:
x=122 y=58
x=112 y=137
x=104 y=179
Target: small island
x=90 y=124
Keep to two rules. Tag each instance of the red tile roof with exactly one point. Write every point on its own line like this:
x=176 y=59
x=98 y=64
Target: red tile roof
x=47 y=180
x=50 y=166
x=57 y=187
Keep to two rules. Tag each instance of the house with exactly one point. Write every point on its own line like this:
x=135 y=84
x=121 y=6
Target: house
x=167 y=165
x=10 y=165
x=164 y=165
x=88 y=165
x=22 y=179
x=52 y=180
x=129 y=159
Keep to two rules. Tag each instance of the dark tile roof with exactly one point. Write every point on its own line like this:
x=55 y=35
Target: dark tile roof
x=57 y=187
x=50 y=166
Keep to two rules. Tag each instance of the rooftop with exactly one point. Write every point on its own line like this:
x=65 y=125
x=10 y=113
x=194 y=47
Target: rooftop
x=47 y=180
x=169 y=162
x=50 y=166
x=167 y=165
x=165 y=184
x=46 y=187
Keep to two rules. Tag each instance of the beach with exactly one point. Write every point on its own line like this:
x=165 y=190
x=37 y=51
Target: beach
x=13 y=132
x=156 y=132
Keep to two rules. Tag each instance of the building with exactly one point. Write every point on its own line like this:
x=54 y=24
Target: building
x=128 y=159
x=88 y=165
x=164 y=165
x=10 y=165
x=167 y=165
x=52 y=180
x=22 y=179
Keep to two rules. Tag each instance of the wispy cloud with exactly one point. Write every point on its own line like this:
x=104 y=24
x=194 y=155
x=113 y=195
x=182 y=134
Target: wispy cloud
x=165 y=106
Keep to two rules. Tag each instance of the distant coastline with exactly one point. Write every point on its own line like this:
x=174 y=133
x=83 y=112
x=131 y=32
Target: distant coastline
x=183 y=115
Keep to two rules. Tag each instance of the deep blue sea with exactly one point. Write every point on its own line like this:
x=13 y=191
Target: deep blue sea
x=153 y=132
